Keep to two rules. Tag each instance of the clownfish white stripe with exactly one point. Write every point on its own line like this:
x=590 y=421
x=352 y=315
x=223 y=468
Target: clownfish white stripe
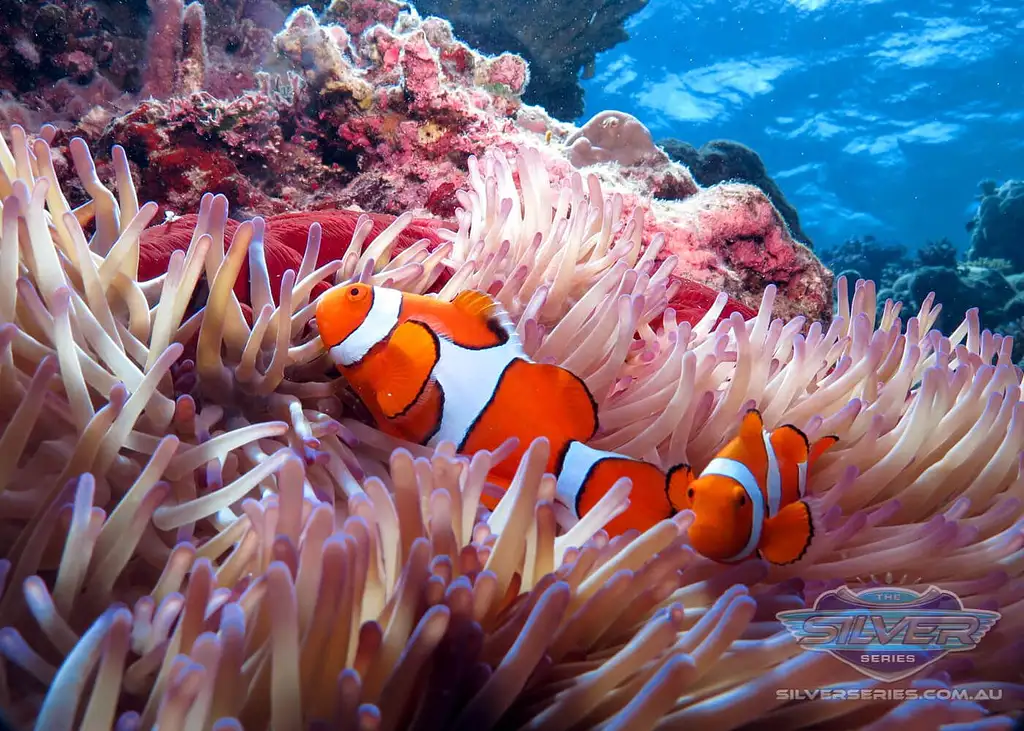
x=773 y=486
x=576 y=466
x=739 y=472
x=380 y=321
x=474 y=375
x=802 y=478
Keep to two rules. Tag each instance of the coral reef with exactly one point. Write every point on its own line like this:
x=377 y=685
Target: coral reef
x=867 y=258
x=95 y=52
x=721 y=160
x=731 y=237
x=613 y=136
x=385 y=116
x=556 y=37
x=989 y=285
x=997 y=229
x=65 y=59
x=197 y=534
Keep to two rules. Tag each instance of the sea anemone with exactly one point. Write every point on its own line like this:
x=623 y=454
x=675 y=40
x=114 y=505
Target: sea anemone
x=198 y=535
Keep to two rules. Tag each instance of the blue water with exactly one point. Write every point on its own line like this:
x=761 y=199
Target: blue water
x=874 y=117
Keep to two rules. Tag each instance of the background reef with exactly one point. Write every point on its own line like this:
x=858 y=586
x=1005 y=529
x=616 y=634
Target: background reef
x=988 y=276
x=368 y=105
x=95 y=51
x=850 y=104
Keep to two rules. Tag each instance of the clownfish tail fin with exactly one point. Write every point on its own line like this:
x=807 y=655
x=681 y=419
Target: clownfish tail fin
x=790 y=533
x=677 y=482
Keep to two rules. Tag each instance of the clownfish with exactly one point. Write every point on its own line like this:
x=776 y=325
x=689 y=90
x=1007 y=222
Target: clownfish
x=430 y=371
x=585 y=474
x=749 y=500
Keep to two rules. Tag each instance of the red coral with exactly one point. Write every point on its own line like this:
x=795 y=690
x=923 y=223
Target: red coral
x=284 y=242
x=443 y=200
x=510 y=71
x=420 y=68
x=693 y=300
x=456 y=59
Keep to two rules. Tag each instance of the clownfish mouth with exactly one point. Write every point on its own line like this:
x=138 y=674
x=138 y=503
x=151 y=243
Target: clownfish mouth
x=711 y=541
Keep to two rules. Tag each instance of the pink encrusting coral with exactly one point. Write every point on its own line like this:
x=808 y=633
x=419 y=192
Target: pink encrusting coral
x=218 y=543
x=383 y=116
x=730 y=237
x=613 y=136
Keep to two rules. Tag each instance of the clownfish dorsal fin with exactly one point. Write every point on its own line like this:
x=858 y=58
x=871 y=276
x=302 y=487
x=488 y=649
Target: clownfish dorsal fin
x=790 y=444
x=752 y=426
x=820 y=447
x=677 y=481
x=482 y=306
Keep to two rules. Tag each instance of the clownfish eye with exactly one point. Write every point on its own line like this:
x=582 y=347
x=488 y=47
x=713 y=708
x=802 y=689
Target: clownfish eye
x=356 y=292
x=690 y=493
x=742 y=500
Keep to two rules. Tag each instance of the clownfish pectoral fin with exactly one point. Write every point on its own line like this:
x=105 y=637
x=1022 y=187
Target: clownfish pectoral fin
x=788 y=533
x=403 y=368
x=790 y=444
x=752 y=426
x=819 y=448
x=677 y=482
x=483 y=307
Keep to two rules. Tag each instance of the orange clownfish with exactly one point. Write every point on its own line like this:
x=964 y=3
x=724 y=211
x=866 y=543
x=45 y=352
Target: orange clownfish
x=430 y=371
x=585 y=474
x=749 y=500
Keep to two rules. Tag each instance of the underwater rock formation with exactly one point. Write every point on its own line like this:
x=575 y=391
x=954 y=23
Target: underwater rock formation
x=997 y=229
x=558 y=38
x=721 y=160
x=867 y=258
x=196 y=532
x=962 y=287
x=64 y=60
x=384 y=116
x=937 y=269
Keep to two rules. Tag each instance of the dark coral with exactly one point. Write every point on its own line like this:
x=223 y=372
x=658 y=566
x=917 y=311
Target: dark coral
x=556 y=37
x=64 y=59
x=939 y=253
x=867 y=258
x=988 y=284
x=64 y=56
x=997 y=229
x=958 y=289
x=722 y=160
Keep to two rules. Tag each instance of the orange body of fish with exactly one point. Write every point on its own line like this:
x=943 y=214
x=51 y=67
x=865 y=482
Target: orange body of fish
x=750 y=499
x=431 y=371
